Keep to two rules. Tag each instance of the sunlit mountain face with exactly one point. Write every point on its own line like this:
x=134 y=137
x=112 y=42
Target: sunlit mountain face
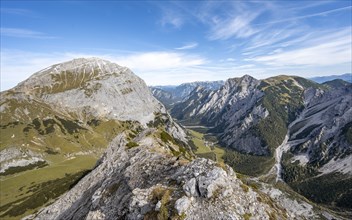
x=90 y=127
x=176 y=110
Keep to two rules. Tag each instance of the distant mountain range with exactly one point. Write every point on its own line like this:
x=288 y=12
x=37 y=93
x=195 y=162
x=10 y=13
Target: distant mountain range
x=321 y=79
x=169 y=95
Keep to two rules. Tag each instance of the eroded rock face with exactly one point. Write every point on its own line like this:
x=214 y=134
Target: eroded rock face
x=93 y=87
x=204 y=183
x=233 y=110
x=191 y=188
x=306 y=127
x=149 y=182
x=320 y=134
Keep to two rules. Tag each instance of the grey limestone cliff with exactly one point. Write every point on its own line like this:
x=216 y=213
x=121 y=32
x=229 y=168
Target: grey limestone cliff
x=95 y=87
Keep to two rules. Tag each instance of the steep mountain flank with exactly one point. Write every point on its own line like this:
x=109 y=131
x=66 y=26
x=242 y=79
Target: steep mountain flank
x=222 y=108
x=164 y=96
x=320 y=148
x=56 y=124
x=258 y=121
x=249 y=115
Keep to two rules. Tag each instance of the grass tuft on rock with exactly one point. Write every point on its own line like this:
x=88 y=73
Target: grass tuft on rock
x=131 y=144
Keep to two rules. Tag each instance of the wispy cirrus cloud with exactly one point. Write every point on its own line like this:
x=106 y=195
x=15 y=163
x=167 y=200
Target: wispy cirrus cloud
x=24 y=33
x=227 y=20
x=237 y=26
x=261 y=27
x=260 y=38
x=188 y=46
x=274 y=37
x=17 y=11
x=173 y=20
x=173 y=14
x=171 y=17
x=323 y=13
x=323 y=51
x=17 y=65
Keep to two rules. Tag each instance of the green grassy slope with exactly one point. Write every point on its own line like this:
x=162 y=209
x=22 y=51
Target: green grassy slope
x=205 y=147
x=68 y=147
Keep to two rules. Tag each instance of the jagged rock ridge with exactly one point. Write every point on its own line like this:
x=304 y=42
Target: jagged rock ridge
x=310 y=122
x=148 y=182
x=169 y=95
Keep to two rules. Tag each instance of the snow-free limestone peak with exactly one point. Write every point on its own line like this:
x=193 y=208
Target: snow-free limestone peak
x=56 y=124
x=95 y=87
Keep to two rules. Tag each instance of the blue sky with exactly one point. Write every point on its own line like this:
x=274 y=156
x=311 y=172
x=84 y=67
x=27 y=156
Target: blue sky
x=173 y=42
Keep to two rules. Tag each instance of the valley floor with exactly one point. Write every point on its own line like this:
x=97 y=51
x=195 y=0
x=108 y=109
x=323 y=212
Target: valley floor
x=18 y=198
x=205 y=147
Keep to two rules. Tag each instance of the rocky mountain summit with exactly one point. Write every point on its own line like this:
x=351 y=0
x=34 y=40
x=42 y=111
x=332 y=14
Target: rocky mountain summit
x=94 y=86
x=56 y=124
x=71 y=97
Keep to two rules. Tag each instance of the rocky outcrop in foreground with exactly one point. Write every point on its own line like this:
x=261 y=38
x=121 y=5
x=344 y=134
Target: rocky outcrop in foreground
x=150 y=182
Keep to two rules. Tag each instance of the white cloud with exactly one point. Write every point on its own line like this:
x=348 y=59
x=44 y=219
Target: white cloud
x=24 y=33
x=183 y=75
x=188 y=46
x=227 y=19
x=282 y=38
x=174 y=21
x=323 y=13
x=16 y=11
x=157 y=68
x=170 y=17
x=17 y=65
x=237 y=26
x=331 y=51
x=271 y=38
x=160 y=61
